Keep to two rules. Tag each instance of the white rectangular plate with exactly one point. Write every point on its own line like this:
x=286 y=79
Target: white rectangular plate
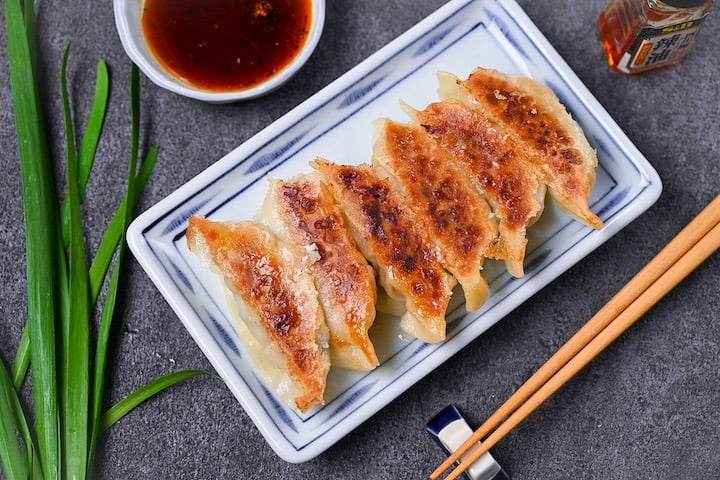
x=336 y=124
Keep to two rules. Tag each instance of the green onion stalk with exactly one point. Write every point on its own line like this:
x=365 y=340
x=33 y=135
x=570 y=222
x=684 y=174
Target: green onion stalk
x=62 y=285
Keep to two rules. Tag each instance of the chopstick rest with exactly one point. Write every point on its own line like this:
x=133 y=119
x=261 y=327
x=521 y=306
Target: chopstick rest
x=450 y=430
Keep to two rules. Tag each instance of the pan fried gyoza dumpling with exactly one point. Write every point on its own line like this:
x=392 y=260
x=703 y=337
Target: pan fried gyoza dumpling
x=452 y=211
x=276 y=298
x=497 y=168
x=531 y=114
x=391 y=240
x=302 y=212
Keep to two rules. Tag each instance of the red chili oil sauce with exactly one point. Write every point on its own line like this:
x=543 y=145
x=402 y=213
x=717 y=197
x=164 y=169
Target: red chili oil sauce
x=226 y=45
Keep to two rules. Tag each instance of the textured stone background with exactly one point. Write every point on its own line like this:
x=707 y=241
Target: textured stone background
x=646 y=408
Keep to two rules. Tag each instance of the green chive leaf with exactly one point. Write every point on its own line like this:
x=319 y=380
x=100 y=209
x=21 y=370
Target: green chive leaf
x=15 y=463
x=91 y=138
x=22 y=361
x=126 y=405
x=41 y=229
x=76 y=333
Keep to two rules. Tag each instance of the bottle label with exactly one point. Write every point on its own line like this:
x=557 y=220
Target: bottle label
x=656 y=47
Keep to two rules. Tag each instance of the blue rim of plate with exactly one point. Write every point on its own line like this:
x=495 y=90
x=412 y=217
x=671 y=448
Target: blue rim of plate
x=328 y=122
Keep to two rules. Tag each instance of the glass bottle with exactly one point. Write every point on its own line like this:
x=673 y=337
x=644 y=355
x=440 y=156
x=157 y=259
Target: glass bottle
x=643 y=35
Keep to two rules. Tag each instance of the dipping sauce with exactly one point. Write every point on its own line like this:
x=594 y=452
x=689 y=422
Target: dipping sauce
x=226 y=45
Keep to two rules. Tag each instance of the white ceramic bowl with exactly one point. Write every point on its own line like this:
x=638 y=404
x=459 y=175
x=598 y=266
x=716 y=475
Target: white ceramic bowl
x=128 y=20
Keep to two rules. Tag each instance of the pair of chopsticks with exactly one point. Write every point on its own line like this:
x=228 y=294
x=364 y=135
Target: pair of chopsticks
x=695 y=243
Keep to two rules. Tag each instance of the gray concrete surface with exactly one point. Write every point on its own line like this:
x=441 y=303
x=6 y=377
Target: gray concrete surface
x=648 y=407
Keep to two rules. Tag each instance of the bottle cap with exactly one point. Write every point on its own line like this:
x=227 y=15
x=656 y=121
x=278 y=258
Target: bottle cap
x=684 y=3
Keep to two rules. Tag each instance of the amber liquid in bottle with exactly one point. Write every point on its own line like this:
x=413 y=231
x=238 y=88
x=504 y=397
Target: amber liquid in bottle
x=643 y=35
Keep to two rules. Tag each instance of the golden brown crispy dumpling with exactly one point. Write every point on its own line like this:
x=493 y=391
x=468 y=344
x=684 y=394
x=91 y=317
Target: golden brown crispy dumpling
x=302 y=212
x=390 y=238
x=456 y=217
x=497 y=168
x=531 y=114
x=276 y=298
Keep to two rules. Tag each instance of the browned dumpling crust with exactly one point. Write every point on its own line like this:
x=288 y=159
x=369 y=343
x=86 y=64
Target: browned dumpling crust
x=461 y=182
x=282 y=298
x=345 y=281
x=451 y=210
x=532 y=115
x=390 y=238
x=497 y=168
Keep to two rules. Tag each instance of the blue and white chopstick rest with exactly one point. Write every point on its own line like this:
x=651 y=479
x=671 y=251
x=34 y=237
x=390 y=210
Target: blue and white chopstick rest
x=450 y=430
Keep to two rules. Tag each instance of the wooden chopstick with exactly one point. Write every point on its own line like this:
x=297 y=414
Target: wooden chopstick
x=697 y=241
